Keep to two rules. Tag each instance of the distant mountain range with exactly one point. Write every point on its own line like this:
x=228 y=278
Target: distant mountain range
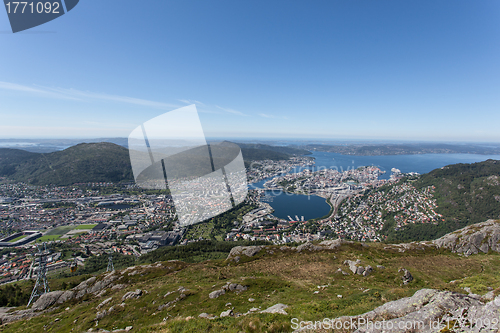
x=97 y=162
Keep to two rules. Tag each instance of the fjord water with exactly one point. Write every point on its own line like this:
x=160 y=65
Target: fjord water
x=421 y=163
x=314 y=207
x=288 y=204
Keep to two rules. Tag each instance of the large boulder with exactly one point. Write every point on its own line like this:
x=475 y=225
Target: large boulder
x=250 y=251
x=277 y=308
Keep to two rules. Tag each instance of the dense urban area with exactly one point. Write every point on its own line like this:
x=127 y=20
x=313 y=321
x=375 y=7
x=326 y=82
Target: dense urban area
x=103 y=218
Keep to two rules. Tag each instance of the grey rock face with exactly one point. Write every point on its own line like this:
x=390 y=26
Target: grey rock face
x=66 y=296
x=475 y=238
x=7 y=317
x=425 y=308
x=104 y=283
x=249 y=251
x=47 y=300
x=227 y=287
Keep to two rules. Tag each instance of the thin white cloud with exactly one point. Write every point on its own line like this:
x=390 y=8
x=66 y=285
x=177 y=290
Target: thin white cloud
x=113 y=98
x=233 y=111
x=34 y=91
x=86 y=96
x=79 y=95
x=271 y=116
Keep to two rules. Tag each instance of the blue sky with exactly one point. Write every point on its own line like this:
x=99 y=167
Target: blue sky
x=351 y=69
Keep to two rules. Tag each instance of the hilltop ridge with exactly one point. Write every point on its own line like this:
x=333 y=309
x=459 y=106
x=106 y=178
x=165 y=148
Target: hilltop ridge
x=96 y=162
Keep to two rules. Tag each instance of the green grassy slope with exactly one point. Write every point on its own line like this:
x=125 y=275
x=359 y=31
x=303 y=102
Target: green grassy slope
x=272 y=276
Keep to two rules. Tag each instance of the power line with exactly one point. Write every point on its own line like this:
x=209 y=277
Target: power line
x=41 y=286
x=111 y=267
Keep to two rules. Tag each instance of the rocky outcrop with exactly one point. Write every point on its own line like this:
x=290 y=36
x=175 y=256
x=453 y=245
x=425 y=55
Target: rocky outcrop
x=250 y=251
x=91 y=285
x=428 y=310
x=216 y=293
x=475 y=238
x=7 y=317
x=227 y=287
x=46 y=300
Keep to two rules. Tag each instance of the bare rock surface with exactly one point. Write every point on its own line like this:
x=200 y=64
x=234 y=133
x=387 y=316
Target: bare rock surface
x=427 y=311
x=250 y=251
x=7 y=317
x=475 y=238
x=132 y=294
x=216 y=293
x=46 y=300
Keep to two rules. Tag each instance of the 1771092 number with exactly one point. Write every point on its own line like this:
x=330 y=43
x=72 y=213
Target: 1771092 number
x=40 y=7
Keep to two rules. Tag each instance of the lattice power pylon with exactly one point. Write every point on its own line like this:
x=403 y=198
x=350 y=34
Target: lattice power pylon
x=41 y=286
x=110 y=263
